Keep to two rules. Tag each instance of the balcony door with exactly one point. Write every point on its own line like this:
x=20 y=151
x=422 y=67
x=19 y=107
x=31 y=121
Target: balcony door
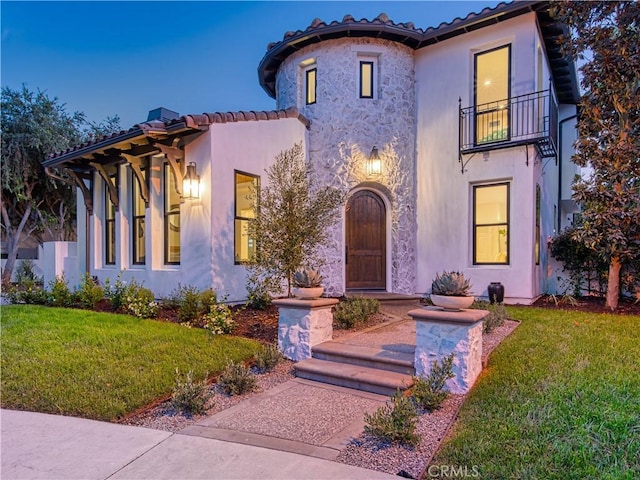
x=492 y=90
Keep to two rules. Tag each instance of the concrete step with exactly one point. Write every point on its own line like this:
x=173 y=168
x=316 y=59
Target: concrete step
x=353 y=376
x=372 y=357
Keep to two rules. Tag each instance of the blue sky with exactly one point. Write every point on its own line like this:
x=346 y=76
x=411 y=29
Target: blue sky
x=126 y=58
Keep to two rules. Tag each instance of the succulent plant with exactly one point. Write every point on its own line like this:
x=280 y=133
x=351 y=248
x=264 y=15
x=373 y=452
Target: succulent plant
x=450 y=283
x=307 y=278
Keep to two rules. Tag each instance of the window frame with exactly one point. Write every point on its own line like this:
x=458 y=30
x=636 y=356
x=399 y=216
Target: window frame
x=239 y=218
x=477 y=114
x=371 y=82
x=136 y=194
x=167 y=184
x=110 y=221
x=307 y=91
x=507 y=223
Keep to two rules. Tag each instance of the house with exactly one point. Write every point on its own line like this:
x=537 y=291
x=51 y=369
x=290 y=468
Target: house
x=453 y=144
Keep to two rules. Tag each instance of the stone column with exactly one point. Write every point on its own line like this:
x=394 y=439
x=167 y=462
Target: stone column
x=303 y=324
x=439 y=333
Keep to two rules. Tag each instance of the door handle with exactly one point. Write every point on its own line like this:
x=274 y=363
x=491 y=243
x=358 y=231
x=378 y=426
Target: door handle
x=346 y=254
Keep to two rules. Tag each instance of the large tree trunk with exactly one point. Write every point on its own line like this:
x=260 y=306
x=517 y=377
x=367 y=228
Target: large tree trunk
x=613 y=284
x=13 y=240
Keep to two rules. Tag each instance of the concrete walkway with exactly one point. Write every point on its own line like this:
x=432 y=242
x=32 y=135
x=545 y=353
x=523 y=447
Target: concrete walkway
x=292 y=431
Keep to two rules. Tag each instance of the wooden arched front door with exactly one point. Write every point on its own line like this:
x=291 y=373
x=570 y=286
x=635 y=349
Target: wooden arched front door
x=366 y=242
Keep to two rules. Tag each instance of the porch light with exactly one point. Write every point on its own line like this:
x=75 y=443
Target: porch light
x=374 y=164
x=191 y=183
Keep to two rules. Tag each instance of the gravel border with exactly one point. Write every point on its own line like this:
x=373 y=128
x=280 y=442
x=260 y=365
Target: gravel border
x=364 y=451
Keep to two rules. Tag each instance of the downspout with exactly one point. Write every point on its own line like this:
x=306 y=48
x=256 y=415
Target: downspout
x=560 y=161
x=87 y=231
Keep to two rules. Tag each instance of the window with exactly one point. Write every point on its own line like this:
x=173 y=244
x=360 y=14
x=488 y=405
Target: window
x=492 y=93
x=247 y=187
x=110 y=225
x=138 y=218
x=537 y=242
x=171 y=219
x=491 y=224
x=310 y=85
x=366 y=79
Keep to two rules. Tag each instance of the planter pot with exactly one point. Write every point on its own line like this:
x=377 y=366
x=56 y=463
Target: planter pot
x=310 y=293
x=451 y=303
x=496 y=292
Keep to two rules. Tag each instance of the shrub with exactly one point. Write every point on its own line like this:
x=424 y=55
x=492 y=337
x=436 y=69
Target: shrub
x=258 y=296
x=353 y=311
x=429 y=391
x=115 y=293
x=268 y=357
x=497 y=316
x=190 y=396
x=27 y=292
x=139 y=301
x=237 y=379
x=395 y=422
x=89 y=293
x=191 y=302
x=25 y=272
x=219 y=319
x=59 y=294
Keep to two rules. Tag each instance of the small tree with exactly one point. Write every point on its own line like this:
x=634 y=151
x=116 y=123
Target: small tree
x=606 y=36
x=292 y=220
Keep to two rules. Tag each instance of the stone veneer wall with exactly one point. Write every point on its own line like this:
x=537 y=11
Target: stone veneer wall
x=344 y=128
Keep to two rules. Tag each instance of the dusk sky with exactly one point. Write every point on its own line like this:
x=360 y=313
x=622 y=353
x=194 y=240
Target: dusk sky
x=126 y=58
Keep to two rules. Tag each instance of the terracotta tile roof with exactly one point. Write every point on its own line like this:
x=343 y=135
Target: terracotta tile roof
x=183 y=125
x=409 y=35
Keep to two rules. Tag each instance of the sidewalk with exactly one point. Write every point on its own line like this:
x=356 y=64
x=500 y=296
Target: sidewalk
x=39 y=446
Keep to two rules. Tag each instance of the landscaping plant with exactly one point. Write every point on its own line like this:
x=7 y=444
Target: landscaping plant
x=353 y=311
x=268 y=357
x=429 y=390
x=89 y=293
x=237 y=379
x=190 y=396
x=394 y=422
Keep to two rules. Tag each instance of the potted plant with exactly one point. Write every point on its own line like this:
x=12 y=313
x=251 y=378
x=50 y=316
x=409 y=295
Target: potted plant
x=451 y=291
x=307 y=284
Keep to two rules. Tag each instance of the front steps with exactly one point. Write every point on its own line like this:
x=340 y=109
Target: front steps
x=368 y=369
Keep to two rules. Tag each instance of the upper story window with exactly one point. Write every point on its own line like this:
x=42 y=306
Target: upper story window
x=110 y=224
x=311 y=81
x=138 y=212
x=247 y=187
x=171 y=219
x=491 y=224
x=492 y=90
x=366 y=78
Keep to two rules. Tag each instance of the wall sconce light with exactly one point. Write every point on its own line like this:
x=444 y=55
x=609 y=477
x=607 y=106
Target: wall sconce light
x=374 y=163
x=191 y=183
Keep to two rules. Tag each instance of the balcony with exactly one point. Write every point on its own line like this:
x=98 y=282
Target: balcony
x=530 y=119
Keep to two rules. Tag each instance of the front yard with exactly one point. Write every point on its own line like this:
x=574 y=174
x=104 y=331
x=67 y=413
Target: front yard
x=560 y=399
x=101 y=365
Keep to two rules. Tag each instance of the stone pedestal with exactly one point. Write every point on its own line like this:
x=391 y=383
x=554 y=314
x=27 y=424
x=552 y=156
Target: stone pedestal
x=439 y=333
x=303 y=324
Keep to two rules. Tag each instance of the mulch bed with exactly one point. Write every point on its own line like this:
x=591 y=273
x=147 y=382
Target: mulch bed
x=588 y=304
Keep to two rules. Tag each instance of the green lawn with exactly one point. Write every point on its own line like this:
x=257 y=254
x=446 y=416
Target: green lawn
x=100 y=365
x=559 y=399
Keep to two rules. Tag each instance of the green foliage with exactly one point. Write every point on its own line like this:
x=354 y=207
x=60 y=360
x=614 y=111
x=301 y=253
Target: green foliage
x=293 y=220
x=101 y=365
x=237 y=379
x=191 y=302
x=89 y=293
x=497 y=316
x=450 y=283
x=59 y=294
x=608 y=128
x=268 y=357
x=219 y=320
x=139 y=301
x=26 y=272
x=353 y=311
x=429 y=391
x=583 y=264
x=307 y=278
x=258 y=289
x=190 y=396
x=28 y=292
x=115 y=293
x=395 y=422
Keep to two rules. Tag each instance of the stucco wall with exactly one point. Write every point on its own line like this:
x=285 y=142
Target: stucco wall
x=345 y=128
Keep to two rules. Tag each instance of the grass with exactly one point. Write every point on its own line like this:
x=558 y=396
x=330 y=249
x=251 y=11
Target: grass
x=99 y=365
x=560 y=399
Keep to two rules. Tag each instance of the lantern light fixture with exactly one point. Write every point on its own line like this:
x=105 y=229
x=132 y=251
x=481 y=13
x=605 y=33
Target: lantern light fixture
x=191 y=183
x=374 y=163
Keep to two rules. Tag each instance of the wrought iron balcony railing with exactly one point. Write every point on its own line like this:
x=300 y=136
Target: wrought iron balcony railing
x=523 y=120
